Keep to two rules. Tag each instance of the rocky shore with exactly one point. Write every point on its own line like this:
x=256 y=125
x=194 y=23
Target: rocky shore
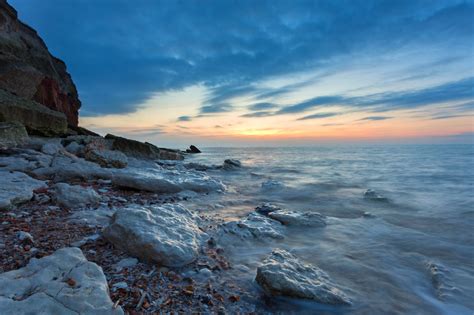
x=97 y=225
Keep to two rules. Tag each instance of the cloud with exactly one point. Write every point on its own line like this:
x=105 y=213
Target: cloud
x=312 y=103
x=184 y=118
x=258 y=114
x=318 y=116
x=230 y=46
x=375 y=118
x=216 y=108
x=262 y=106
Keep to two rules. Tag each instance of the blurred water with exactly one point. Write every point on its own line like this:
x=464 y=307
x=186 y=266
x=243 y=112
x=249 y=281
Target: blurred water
x=381 y=261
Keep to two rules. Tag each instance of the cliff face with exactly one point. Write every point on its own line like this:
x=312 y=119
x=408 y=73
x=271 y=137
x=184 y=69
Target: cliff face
x=28 y=70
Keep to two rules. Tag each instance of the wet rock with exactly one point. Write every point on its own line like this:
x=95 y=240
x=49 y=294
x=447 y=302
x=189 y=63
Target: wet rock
x=166 y=234
x=440 y=279
x=193 y=149
x=36 y=118
x=373 y=195
x=74 y=196
x=107 y=158
x=137 y=149
x=12 y=134
x=266 y=208
x=16 y=187
x=254 y=226
x=295 y=218
x=145 y=182
x=231 y=164
x=282 y=273
x=63 y=283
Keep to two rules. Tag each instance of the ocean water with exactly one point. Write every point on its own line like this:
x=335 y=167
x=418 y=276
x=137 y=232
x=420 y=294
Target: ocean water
x=412 y=253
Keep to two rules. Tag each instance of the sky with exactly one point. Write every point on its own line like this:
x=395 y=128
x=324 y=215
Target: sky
x=265 y=73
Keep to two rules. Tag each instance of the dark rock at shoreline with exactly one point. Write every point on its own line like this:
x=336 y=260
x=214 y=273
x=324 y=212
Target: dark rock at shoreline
x=231 y=164
x=142 y=150
x=266 y=208
x=37 y=119
x=28 y=70
x=193 y=149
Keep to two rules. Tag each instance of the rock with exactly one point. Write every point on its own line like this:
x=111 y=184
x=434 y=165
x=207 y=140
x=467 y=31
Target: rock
x=62 y=283
x=75 y=148
x=126 y=263
x=145 y=182
x=65 y=168
x=25 y=237
x=12 y=134
x=74 y=196
x=85 y=240
x=81 y=131
x=16 y=187
x=142 y=150
x=282 y=273
x=373 y=195
x=294 y=218
x=36 y=118
x=193 y=149
x=231 y=164
x=28 y=70
x=107 y=158
x=120 y=285
x=51 y=148
x=167 y=235
x=266 y=208
x=254 y=226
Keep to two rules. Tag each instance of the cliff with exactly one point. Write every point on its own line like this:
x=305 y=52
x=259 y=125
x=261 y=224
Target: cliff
x=28 y=70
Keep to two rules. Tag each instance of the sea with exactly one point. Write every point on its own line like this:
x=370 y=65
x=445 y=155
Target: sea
x=410 y=251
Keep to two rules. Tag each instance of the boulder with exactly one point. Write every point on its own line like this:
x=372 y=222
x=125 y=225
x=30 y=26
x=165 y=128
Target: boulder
x=142 y=150
x=231 y=164
x=283 y=274
x=12 y=134
x=75 y=148
x=373 y=195
x=193 y=149
x=266 y=208
x=51 y=148
x=62 y=283
x=36 y=118
x=24 y=162
x=107 y=158
x=253 y=226
x=74 y=196
x=294 y=218
x=167 y=234
x=28 y=70
x=145 y=182
x=16 y=187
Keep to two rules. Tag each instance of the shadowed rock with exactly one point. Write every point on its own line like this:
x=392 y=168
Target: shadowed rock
x=74 y=196
x=16 y=188
x=12 y=134
x=295 y=218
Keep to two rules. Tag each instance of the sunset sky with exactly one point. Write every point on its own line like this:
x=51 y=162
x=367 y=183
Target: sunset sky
x=266 y=72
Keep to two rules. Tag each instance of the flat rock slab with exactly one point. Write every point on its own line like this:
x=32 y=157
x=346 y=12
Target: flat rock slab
x=254 y=226
x=167 y=234
x=74 y=196
x=295 y=218
x=16 y=187
x=282 y=273
x=107 y=158
x=63 y=283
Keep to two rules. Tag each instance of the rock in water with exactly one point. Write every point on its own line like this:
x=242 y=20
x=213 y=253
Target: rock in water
x=294 y=218
x=193 y=149
x=36 y=118
x=254 y=226
x=63 y=283
x=282 y=273
x=107 y=158
x=28 y=70
x=12 y=134
x=231 y=164
x=373 y=195
x=142 y=150
x=166 y=234
x=266 y=208
x=74 y=196
x=16 y=188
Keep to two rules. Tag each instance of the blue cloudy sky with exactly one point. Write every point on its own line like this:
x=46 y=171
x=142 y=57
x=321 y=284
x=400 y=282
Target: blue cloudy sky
x=251 y=71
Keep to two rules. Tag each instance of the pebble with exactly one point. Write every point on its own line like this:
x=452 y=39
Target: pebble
x=102 y=190
x=120 y=285
x=205 y=272
x=24 y=236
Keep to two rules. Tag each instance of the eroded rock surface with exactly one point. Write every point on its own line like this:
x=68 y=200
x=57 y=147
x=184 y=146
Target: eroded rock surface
x=253 y=226
x=107 y=158
x=167 y=234
x=62 y=283
x=74 y=196
x=12 y=134
x=282 y=273
x=16 y=187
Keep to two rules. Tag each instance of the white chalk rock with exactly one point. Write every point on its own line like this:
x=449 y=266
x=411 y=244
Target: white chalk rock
x=166 y=234
x=282 y=273
x=74 y=196
x=16 y=187
x=63 y=283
